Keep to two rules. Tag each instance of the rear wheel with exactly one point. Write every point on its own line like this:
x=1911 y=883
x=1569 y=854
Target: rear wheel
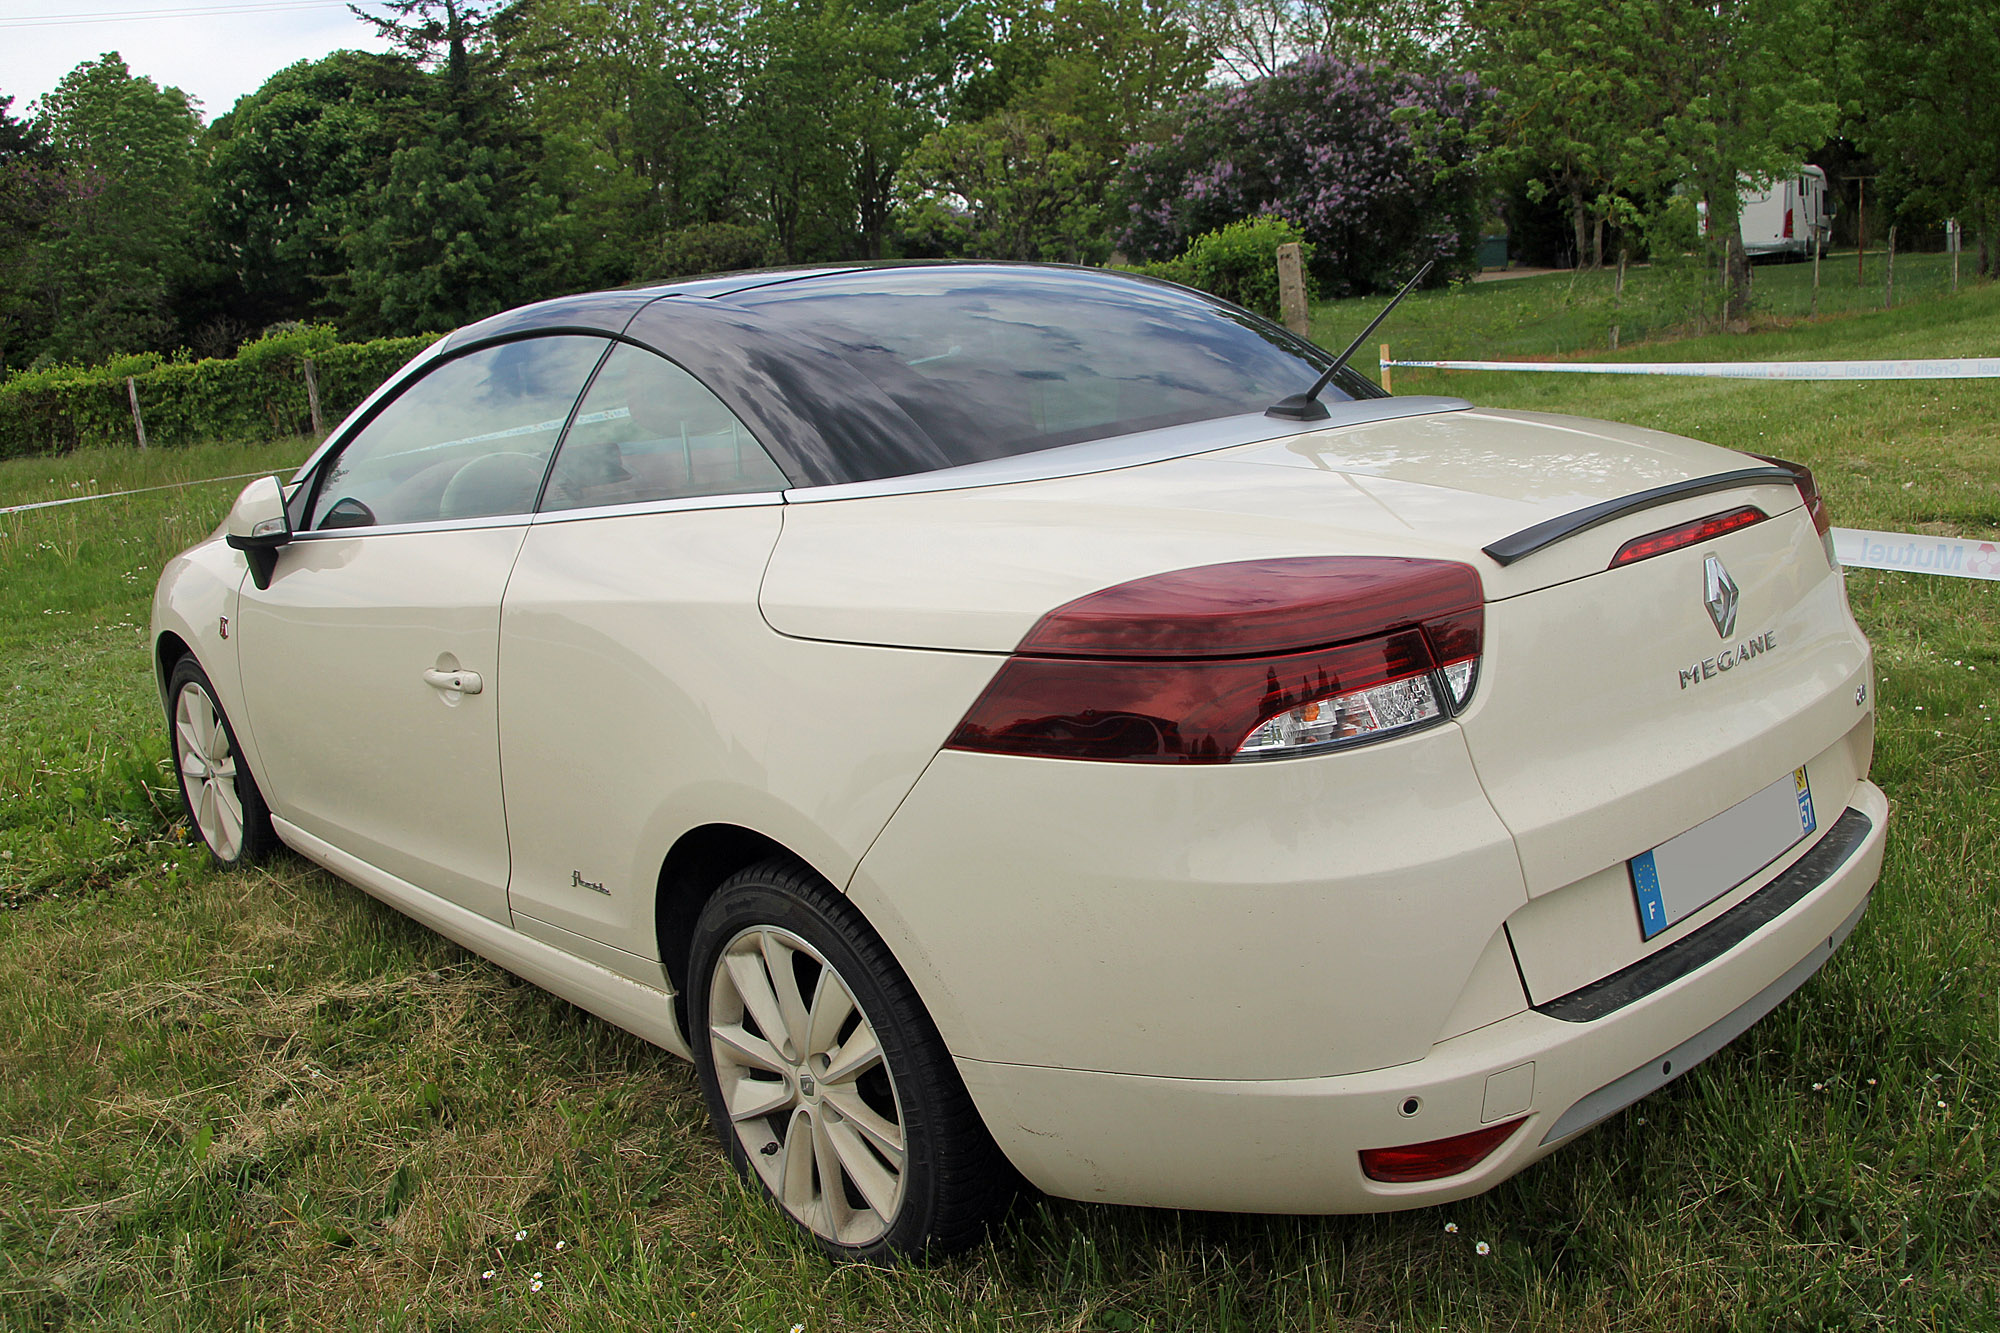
x=222 y=801
x=826 y=1079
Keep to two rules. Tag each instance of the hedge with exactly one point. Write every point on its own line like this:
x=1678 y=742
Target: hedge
x=260 y=393
x=1238 y=263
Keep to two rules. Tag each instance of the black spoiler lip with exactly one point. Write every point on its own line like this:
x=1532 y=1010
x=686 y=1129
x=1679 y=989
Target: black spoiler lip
x=1527 y=541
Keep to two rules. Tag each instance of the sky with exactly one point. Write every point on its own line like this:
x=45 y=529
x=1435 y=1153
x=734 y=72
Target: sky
x=215 y=50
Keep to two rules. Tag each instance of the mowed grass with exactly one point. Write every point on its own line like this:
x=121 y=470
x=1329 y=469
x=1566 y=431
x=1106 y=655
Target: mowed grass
x=264 y=1100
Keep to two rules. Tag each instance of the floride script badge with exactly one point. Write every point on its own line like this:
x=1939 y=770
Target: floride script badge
x=1721 y=598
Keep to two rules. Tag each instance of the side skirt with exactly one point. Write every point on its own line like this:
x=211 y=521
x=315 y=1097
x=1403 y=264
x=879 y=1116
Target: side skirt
x=644 y=1011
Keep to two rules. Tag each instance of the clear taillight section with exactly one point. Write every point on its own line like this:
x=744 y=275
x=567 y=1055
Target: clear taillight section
x=1251 y=660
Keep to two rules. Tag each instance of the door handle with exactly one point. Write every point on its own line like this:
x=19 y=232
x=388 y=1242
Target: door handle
x=464 y=682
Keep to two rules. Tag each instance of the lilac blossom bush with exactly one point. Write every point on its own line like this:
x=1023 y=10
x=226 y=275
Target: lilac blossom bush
x=1375 y=168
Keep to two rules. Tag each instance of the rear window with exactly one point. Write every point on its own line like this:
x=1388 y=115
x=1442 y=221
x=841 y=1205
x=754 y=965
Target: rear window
x=994 y=361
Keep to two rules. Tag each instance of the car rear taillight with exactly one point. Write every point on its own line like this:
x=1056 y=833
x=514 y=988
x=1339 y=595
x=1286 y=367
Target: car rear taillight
x=1815 y=502
x=1257 y=659
x=1438 y=1158
x=1687 y=534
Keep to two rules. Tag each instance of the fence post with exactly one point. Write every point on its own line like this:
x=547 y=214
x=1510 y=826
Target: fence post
x=312 y=396
x=138 y=422
x=1384 y=368
x=1292 y=289
x=1813 y=309
x=1889 y=285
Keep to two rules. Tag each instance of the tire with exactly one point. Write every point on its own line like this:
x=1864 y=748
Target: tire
x=217 y=790
x=885 y=1159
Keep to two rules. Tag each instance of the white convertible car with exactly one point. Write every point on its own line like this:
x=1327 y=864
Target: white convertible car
x=951 y=706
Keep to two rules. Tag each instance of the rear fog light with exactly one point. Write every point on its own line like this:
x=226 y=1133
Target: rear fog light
x=1438 y=1158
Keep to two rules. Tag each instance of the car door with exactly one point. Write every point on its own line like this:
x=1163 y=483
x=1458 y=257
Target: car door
x=370 y=665
x=631 y=615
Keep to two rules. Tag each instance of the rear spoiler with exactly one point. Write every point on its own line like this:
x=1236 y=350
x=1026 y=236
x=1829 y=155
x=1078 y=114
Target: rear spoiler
x=1547 y=533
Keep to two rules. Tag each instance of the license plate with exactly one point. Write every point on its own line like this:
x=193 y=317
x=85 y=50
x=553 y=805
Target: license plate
x=1686 y=873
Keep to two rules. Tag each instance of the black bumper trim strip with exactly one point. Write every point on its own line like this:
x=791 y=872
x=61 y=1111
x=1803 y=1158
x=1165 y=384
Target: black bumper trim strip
x=1530 y=540
x=1609 y=994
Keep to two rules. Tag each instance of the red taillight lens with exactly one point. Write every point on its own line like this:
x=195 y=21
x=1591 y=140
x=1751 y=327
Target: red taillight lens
x=1687 y=534
x=1808 y=491
x=1438 y=1158
x=1257 y=659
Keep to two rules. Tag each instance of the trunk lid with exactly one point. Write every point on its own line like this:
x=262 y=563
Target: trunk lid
x=974 y=568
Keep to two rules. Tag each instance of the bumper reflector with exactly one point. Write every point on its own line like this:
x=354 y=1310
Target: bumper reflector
x=1438 y=1158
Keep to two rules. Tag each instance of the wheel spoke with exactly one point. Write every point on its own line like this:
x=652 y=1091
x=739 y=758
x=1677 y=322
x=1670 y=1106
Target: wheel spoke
x=744 y=1049
x=228 y=819
x=877 y=1184
x=830 y=1008
x=753 y=988
x=856 y=1056
x=796 y=1175
x=886 y=1136
x=755 y=1098
x=192 y=752
x=834 y=1209
x=784 y=976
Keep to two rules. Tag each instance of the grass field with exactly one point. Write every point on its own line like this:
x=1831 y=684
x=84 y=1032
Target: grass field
x=262 y=1100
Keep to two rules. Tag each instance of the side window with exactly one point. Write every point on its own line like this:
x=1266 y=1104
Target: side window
x=469 y=440
x=648 y=430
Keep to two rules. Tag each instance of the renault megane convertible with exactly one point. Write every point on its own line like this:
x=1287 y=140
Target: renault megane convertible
x=998 y=718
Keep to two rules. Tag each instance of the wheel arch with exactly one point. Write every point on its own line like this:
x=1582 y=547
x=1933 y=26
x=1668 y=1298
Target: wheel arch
x=168 y=649
x=697 y=864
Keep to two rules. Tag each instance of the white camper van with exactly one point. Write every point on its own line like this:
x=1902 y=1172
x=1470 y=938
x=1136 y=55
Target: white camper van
x=1783 y=220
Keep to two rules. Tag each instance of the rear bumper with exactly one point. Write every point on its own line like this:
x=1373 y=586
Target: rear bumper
x=1292 y=1145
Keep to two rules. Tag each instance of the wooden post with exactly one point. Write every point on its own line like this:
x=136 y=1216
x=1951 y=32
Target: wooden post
x=1384 y=367
x=312 y=396
x=1954 y=241
x=1813 y=309
x=1614 y=337
x=1292 y=289
x=1861 y=234
x=1889 y=284
x=138 y=422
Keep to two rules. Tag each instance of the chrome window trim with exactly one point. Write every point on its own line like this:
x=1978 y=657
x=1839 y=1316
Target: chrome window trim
x=520 y=520
x=1122 y=451
x=737 y=500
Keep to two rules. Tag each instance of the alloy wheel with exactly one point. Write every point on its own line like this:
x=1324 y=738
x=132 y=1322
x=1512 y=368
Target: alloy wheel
x=809 y=1093
x=207 y=764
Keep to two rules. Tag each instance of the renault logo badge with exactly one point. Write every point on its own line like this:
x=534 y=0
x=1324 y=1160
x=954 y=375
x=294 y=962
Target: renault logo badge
x=1722 y=597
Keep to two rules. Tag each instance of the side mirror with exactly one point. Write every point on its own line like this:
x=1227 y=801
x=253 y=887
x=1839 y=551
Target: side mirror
x=257 y=526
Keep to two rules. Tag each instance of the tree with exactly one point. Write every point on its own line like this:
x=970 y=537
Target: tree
x=287 y=173
x=117 y=242
x=1254 y=39
x=1653 y=96
x=1072 y=85
x=31 y=188
x=1374 y=168
x=1924 y=101
x=461 y=225
x=629 y=100
x=1571 y=106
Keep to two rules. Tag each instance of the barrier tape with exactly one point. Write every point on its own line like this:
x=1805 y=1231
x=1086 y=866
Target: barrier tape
x=113 y=495
x=1952 y=368
x=1859 y=548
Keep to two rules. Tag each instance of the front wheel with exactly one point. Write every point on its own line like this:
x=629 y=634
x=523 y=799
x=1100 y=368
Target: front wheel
x=825 y=1077
x=221 y=798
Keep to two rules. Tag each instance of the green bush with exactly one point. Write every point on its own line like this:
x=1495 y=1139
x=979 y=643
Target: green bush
x=1238 y=263
x=715 y=247
x=260 y=393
